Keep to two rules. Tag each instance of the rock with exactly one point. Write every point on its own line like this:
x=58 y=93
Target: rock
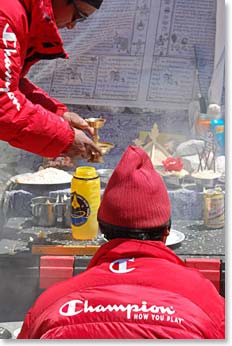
x=187 y=204
x=189 y=148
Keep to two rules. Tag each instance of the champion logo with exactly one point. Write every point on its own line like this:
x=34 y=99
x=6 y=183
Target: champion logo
x=75 y=307
x=121 y=266
x=9 y=39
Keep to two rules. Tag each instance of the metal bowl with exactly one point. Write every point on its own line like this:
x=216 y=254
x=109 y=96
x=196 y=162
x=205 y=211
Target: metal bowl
x=96 y=123
x=16 y=183
x=105 y=147
x=104 y=174
x=206 y=182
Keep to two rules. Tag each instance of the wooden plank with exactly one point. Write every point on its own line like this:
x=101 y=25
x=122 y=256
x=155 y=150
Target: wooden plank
x=64 y=250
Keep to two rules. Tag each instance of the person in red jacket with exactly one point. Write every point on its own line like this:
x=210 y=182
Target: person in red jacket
x=134 y=287
x=29 y=118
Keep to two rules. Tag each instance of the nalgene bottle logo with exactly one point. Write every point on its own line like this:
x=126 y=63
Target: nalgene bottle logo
x=80 y=209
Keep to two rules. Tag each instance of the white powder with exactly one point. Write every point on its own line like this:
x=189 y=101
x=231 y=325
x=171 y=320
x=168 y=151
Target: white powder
x=45 y=176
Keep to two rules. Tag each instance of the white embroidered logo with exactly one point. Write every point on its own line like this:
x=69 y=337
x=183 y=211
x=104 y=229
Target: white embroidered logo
x=120 y=266
x=9 y=40
x=75 y=307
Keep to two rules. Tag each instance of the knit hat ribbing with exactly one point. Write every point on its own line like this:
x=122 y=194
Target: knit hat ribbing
x=135 y=196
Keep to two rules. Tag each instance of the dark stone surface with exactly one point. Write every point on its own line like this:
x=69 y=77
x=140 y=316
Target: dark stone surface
x=199 y=240
x=19 y=232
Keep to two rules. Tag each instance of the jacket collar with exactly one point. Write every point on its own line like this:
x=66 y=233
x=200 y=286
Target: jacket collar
x=122 y=248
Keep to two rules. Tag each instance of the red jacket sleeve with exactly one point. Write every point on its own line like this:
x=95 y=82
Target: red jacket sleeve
x=25 y=330
x=23 y=124
x=39 y=96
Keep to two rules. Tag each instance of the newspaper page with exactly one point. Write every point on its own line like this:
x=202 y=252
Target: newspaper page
x=136 y=53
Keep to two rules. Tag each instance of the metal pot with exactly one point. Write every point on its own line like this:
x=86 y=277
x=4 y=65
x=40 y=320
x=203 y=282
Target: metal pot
x=63 y=213
x=104 y=174
x=43 y=211
x=67 y=214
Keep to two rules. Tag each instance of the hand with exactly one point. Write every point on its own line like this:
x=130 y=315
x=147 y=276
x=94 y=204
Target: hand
x=58 y=162
x=83 y=147
x=77 y=122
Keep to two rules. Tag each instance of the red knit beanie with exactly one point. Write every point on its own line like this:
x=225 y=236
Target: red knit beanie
x=135 y=196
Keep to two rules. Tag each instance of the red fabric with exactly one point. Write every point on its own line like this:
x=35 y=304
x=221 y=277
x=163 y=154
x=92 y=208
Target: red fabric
x=135 y=196
x=29 y=118
x=150 y=294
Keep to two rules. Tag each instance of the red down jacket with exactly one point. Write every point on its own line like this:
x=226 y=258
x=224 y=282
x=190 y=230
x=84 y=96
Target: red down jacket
x=29 y=118
x=131 y=289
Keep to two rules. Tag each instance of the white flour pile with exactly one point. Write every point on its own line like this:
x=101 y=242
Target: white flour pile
x=45 y=176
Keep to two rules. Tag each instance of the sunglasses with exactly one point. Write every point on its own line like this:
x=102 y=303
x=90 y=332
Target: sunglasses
x=78 y=16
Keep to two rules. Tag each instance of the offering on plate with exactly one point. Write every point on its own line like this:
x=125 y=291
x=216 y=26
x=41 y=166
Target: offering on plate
x=172 y=171
x=173 y=167
x=206 y=178
x=173 y=164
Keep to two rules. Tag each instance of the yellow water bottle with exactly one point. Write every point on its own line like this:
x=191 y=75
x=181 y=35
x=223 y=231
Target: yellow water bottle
x=85 y=201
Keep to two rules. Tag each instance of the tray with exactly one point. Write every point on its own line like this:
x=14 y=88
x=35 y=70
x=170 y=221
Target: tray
x=175 y=237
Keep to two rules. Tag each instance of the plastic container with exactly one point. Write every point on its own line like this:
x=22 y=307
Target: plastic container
x=214 y=208
x=85 y=201
x=217 y=127
x=203 y=126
